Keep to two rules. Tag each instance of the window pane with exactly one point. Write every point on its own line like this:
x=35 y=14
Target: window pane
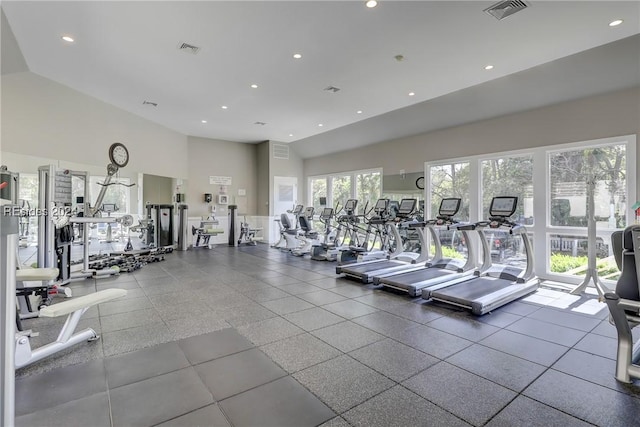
x=572 y=172
x=568 y=256
x=368 y=189
x=509 y=176
x=450 y=181
x=341 y=189
x=28 y=200
x=506 y=248
x=318 y=189
x=118 y=194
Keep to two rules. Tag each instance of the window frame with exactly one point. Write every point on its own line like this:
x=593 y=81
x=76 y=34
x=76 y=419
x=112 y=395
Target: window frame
x=542 y=228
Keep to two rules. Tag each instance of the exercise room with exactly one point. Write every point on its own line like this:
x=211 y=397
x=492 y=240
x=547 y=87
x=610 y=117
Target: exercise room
x=331 y=213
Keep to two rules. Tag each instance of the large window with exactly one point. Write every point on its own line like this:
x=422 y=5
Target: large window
x=576 y=177
x=115 y=194
x=449 y=180
x=340 y=189
x=509 y=176
x=366 y=186
x=28 y=199
x=554 y=186
x=318 y=188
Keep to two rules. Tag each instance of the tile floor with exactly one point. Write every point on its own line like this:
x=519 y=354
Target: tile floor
x=254 y=337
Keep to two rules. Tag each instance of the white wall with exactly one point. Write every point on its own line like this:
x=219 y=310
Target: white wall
x=210 y=157
x=602 y=116
x=264 y=184
x=26 y=164
x=43 y=118
x=293 y=167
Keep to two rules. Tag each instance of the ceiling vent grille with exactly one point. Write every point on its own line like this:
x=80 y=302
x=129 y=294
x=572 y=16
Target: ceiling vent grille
x=506 y=8
x=260 y=123
x=332 y=89
x=186 y=47
x=153 y=104
x=281 y=151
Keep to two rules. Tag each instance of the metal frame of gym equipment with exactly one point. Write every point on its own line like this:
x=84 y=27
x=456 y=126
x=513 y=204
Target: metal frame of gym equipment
x=8 y=243
x=54 y=195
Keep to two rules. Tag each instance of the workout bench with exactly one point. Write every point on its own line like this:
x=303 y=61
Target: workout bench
x=74 y=309
x=24 y=292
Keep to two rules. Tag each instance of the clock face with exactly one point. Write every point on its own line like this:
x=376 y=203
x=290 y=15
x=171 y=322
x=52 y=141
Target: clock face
x=118 y=154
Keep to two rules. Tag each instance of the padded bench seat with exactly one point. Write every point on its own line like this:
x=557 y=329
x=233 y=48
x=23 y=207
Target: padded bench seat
x=75 y=304
x=36 y=274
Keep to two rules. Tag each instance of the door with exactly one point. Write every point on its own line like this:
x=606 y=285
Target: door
x=285 y=194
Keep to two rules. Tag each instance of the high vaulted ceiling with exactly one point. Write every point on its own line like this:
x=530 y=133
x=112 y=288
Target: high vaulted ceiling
x=125 y=53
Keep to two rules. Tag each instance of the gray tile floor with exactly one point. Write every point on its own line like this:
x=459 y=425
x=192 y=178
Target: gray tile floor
x=254 y=337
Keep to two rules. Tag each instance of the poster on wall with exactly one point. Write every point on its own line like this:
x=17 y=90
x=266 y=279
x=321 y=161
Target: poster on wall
x=219 y=180
x=285 y=193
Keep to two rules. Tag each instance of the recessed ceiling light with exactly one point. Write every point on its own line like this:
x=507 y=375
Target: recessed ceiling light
x=297 y=55
x=290 y=134
x=615 y=23
x=254 y=86
x=68 y=39
x=359 y=112
x=411 y=93
x=224 y=107
x=371 y=3
x=320 y=125
x=204 y=121
x=489 y=67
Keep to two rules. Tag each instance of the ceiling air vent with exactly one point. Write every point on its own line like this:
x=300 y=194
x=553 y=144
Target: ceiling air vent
x=506 y=8
x=332 y=89
x=186 y=47
x=260 y=123
x=281 y=151
x=153 y=104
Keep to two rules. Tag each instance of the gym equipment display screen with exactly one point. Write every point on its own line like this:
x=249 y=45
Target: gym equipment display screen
x=407 y=206
x=503 y=206
x=350 y=206
x=326 y=213
x=449 y=207
x=381 y=205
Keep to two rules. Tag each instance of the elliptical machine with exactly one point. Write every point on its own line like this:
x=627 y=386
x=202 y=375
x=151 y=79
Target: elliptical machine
x=345 y=232
x=375 y=244
x=319 y=251
x=307 y=237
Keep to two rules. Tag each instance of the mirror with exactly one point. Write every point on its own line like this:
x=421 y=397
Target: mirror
x=403 y=183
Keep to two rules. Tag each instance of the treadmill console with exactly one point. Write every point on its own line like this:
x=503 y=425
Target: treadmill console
x=502 y=208
x=407 y=206
x=449 y=207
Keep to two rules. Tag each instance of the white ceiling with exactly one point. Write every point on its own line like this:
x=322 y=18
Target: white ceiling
x=126 y=52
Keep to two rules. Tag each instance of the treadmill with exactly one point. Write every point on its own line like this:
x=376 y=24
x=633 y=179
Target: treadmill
x=365 y=271
x=439 y=269
x=492 y=285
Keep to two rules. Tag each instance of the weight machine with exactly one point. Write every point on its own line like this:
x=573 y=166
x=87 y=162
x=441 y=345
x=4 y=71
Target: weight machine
x=55 y=232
